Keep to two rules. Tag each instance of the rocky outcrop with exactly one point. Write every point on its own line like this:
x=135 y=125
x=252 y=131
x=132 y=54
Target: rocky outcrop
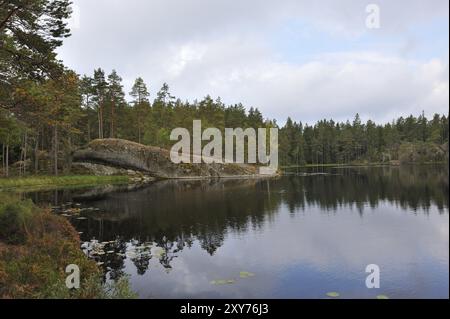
x=422 y=152
x=120 y=156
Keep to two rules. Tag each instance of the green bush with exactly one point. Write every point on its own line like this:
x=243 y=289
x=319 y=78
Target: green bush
x=14 y=217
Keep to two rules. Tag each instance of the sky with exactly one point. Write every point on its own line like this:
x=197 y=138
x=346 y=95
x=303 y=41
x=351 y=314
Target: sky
x=309 y=60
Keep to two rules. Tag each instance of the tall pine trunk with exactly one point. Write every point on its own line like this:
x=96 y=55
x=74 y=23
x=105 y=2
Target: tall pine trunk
x=25 y=153
x=89 y=129
x=7 y=161
x=55 y=150
x=3 y=159
x=139 y=132
x=113 y=106
x=21 y=157
x=100 y=121
x=36 y=155
x=139 y=121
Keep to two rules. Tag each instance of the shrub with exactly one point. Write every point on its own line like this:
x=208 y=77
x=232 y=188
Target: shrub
x=35 y=249
x=14 y=219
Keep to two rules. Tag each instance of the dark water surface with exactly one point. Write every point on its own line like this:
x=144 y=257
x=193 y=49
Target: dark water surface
x=298 y=236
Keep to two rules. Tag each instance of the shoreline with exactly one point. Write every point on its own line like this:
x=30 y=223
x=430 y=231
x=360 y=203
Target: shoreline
x=360 y=165
x=46 y=182
x=31 y=183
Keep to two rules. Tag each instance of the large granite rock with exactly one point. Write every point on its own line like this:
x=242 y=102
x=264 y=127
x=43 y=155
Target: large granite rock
x=120 y=155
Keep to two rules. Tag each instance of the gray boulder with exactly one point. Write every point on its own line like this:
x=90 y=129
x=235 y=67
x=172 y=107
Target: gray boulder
x=153 y=161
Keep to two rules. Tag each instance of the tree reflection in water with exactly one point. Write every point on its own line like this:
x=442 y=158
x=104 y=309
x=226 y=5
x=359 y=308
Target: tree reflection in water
x=161 y=220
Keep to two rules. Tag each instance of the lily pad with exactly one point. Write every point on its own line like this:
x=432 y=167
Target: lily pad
x=159 y=252
x=223 y=282
x=131 y=255
x=333 y=294
x=246 y=274
x=382 y=297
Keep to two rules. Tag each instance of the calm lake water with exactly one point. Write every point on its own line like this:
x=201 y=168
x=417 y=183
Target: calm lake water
x=297 y=236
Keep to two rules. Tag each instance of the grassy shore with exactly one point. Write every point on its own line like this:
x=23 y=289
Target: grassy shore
x=60 y=181
x=36 y=246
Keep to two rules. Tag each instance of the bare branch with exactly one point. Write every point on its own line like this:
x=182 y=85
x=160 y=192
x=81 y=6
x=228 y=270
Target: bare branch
x=8 y=17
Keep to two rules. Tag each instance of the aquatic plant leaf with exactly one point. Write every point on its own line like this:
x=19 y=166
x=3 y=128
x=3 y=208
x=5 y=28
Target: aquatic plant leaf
x=246 y=274
x=223 y=282
x=159 y=252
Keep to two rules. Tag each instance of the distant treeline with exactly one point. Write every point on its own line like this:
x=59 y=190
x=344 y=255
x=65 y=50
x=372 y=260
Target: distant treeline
x=49 y=119
x=410 y=139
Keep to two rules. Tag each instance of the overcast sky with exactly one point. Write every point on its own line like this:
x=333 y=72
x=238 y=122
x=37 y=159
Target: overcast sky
x=305 y=59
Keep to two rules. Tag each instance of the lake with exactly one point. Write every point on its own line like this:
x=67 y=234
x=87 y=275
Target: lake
x=302 y=235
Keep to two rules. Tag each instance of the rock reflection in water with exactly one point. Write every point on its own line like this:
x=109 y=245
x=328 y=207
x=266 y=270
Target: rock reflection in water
x=153 y=226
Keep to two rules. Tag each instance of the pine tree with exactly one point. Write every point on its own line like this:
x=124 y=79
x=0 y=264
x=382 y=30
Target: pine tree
x=30 y=31
x=140 y=94
x=116 y=98
x=100 y=88
x=87 y=93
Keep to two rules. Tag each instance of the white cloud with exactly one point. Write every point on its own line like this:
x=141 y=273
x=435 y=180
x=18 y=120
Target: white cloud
x=225 y=48
x=332 y=86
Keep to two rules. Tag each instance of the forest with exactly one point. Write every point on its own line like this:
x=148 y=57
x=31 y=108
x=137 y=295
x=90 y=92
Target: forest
x=47 y=110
